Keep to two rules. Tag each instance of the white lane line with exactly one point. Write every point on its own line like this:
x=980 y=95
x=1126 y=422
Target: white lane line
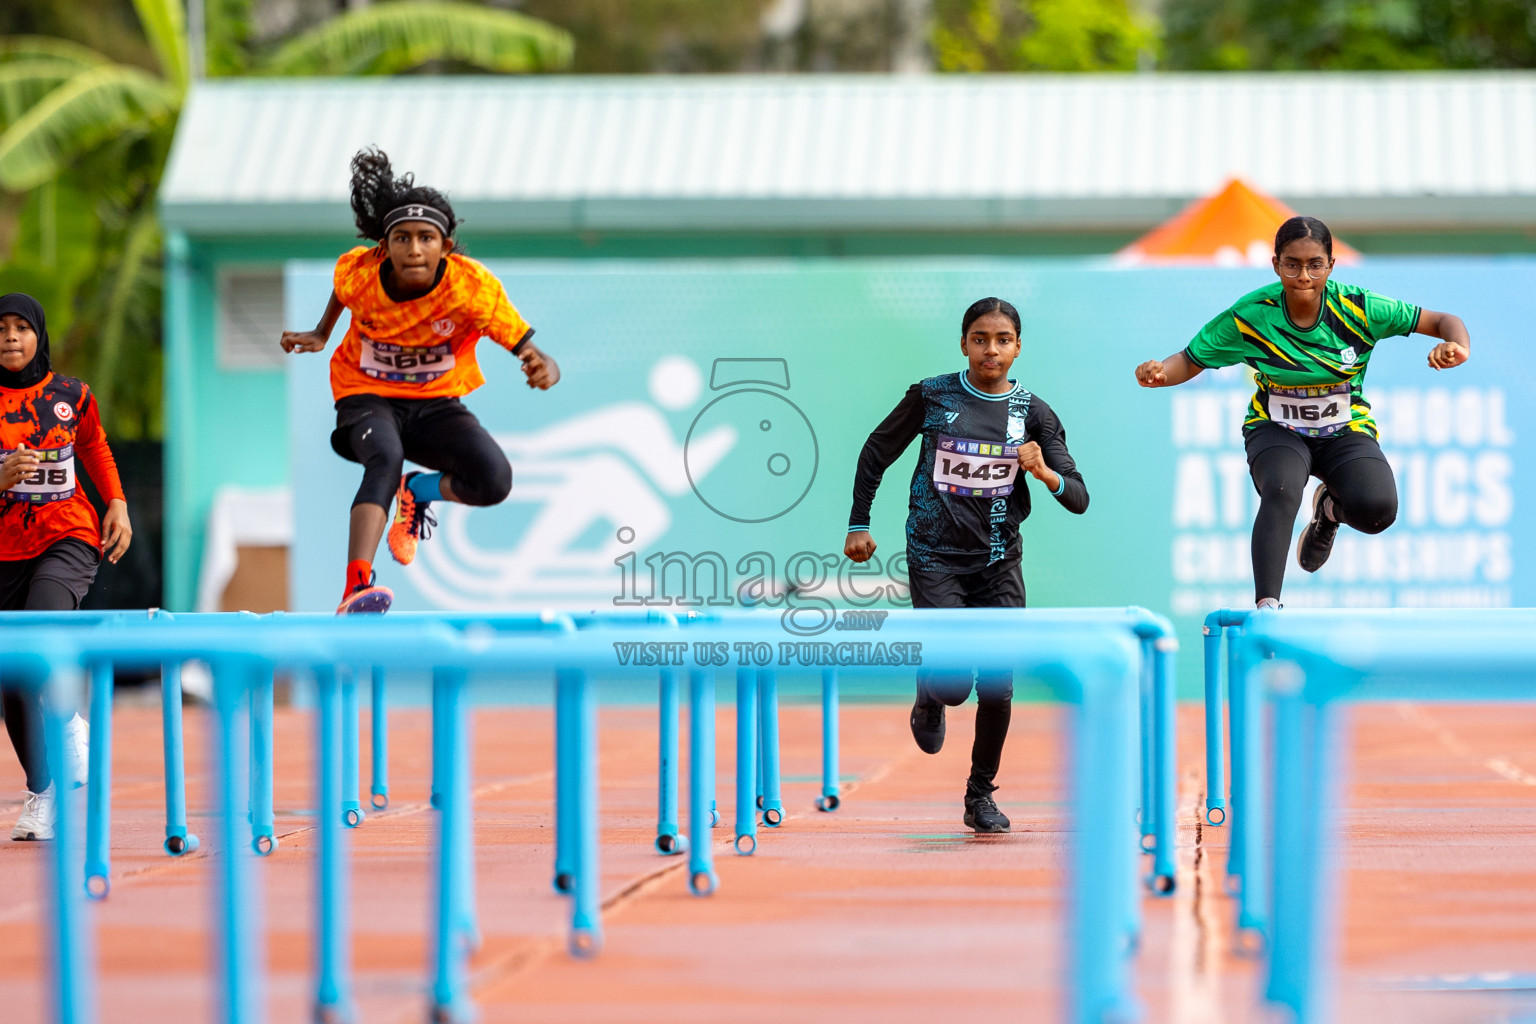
x=1195 y=972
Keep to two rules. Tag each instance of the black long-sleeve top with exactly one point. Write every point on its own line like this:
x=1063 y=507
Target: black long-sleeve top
x=968 y=495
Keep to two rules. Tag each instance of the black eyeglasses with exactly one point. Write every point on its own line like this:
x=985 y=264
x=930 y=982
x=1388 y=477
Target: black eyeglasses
x=1315 y=268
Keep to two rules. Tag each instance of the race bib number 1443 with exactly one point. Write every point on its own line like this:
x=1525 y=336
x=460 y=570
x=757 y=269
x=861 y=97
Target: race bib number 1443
x=980 y=469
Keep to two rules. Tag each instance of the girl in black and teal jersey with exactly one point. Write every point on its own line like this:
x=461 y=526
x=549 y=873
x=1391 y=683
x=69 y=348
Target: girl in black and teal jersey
x=982 y=432
x=1309 y=340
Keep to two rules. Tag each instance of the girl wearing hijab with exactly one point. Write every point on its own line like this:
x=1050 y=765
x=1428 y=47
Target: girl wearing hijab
x=50 y=539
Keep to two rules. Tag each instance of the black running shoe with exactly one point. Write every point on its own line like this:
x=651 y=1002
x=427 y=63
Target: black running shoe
x=1316 y=542
x=981 y=814
x=928 y=725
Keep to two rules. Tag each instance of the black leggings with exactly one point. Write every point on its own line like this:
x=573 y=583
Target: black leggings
x=54 y=581
x=997 y=586
x=438 y=433
x=1351 y=466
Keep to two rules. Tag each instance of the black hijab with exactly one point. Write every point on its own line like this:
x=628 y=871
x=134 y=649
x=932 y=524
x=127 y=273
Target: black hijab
x=26 y=307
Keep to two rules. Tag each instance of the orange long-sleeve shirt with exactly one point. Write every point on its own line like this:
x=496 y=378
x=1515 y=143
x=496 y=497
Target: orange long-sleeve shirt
x=57 y=418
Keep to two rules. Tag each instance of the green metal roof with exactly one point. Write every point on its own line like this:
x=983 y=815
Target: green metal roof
x=712 y=153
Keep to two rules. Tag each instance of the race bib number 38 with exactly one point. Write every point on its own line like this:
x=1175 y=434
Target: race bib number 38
x=978 y=469
x=405 y=364
x=52 y=480
x=1314 y=411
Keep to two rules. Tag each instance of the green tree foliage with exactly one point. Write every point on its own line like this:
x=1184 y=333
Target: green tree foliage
x=846 y=35
x=1040 y=35
x=642 y=36
x=85 y=129
x=109 y=27
x=387 y=39
x=1349 y=35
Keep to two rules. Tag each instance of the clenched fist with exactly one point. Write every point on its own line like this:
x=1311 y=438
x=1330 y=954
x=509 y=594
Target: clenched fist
x=1150 y=374
x=302 y=341
x=859 y=546
x=1032 y=461
x=20 y=464
x=1447 y=354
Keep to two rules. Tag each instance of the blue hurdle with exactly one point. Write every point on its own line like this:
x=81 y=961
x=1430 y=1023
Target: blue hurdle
x=71 y=998
x=758 y=748
x=831 y=781
x=669 y=841
x=1159 y=729
x=1247 y=857
x=1305 y=665
x=1094 y=667
x=1215 y=738
x=575 y=765
x=1158 y=646
x=241 y=656
x=757 y=754
x=178 y=840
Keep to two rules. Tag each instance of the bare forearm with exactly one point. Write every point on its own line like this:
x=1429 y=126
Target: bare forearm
x=1447 y=327
x=1455 y=345
x=1176 y=369
x=328 y=320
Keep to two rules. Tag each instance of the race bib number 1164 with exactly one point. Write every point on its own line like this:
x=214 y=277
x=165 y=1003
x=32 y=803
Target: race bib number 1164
x=1314 y=411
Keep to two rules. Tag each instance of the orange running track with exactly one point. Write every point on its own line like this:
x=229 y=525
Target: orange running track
x=887 y=910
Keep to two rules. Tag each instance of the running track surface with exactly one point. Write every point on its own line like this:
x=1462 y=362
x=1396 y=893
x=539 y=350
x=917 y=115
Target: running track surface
x=887 y=910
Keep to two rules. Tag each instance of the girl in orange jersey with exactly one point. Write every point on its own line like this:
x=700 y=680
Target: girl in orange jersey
x=418 y=307
x=50 y=540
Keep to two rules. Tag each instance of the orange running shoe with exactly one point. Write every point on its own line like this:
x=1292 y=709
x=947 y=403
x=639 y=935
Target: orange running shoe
x=369 y=599
x=413 y=523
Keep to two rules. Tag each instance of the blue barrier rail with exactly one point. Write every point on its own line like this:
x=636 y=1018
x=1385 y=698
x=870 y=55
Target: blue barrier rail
x=1305 y=665
x=1228 y=623
x=1247 y=857
x=756 y=749
x=757 y=746
x=1094 y=667
x=1157 y=715
x=178 y=840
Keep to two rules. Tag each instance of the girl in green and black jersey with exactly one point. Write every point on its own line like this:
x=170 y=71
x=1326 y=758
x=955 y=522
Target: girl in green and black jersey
x=1309 y=340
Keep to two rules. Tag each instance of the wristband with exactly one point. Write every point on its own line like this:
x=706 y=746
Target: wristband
x=1061 y=487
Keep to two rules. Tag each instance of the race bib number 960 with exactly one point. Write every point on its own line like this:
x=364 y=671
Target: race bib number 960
x=978 y=469
x=405 y=364
x=1314 y=411
x=52 y=480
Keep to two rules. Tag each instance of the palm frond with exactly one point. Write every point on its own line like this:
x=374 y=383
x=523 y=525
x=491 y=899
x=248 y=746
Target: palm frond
x=91 y=107
x=393 y=37
x=14 y=48
x=165 y=27
x=24 y=83
x=129 y=280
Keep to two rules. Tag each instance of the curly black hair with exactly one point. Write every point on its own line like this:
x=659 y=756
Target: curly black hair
x=376 y=191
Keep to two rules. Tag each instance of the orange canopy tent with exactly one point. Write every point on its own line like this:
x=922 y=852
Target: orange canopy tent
x=1234 y=227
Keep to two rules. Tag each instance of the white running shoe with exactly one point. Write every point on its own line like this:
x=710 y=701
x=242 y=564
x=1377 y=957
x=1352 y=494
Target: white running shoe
x=36 y=821
x=77 y=750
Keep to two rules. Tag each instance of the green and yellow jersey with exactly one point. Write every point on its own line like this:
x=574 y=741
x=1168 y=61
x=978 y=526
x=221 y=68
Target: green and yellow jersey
x=1309 y=380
